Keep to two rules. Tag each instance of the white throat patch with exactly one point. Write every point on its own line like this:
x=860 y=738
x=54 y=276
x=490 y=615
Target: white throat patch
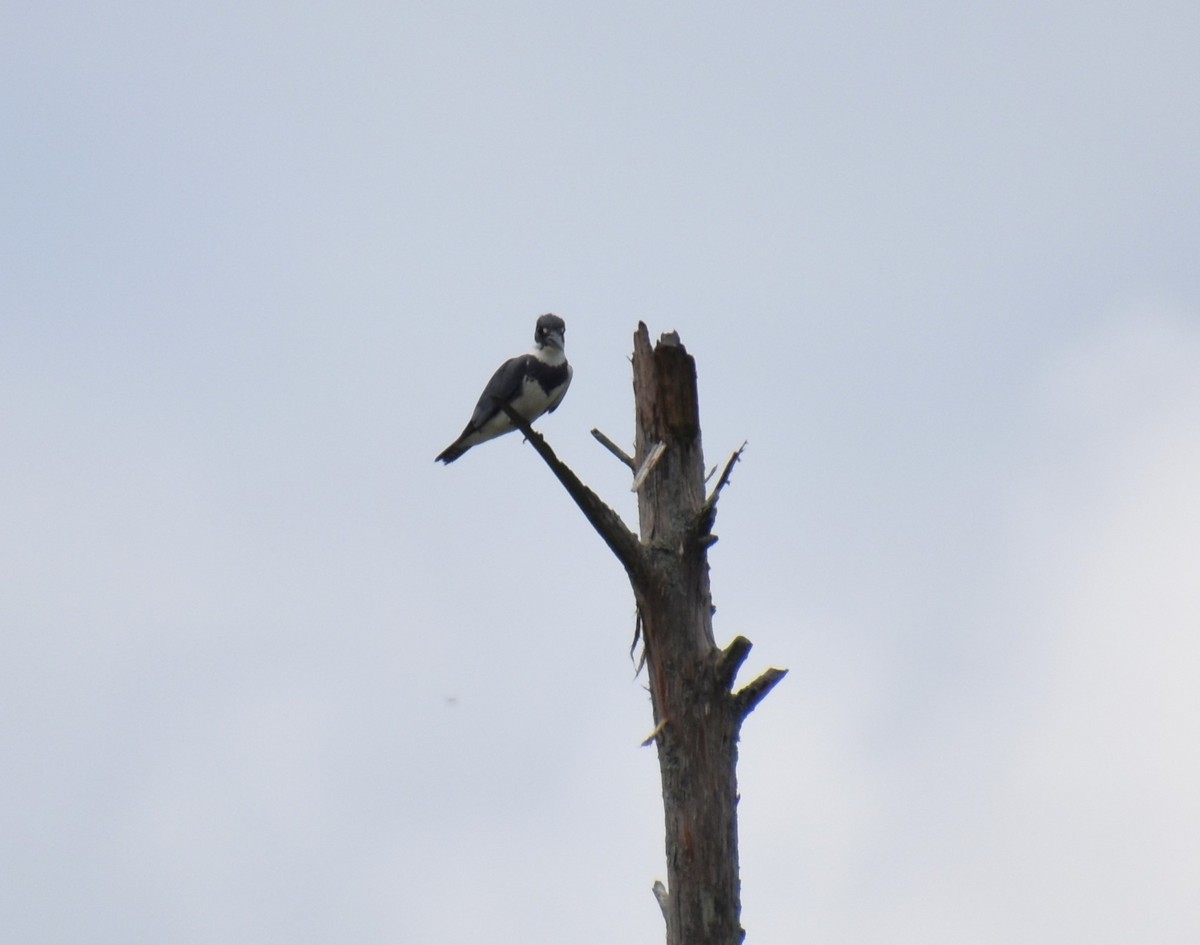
x=549 y=355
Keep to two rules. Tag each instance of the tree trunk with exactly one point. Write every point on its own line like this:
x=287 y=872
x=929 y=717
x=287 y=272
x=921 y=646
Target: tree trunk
x=697 y=716
x=693 y=709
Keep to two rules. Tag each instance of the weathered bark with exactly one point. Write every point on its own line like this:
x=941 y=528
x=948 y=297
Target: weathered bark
x=697 y=716
x=697 y=745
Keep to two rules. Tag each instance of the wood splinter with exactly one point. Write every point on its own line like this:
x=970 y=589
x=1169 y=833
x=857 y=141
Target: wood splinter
x=658 y=730
x=652 y=458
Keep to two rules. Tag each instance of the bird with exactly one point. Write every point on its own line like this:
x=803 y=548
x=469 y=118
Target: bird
x=532 y=384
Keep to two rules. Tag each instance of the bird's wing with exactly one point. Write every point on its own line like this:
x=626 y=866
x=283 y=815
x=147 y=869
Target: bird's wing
x=504 y=386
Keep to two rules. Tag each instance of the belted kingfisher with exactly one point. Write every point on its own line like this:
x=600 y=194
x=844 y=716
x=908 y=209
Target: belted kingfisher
x=532 y=384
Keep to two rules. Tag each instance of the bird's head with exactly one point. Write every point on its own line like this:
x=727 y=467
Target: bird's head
x=550 y=332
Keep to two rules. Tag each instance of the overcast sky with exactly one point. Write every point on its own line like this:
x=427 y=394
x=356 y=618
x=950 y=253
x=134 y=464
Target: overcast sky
x=269 y=675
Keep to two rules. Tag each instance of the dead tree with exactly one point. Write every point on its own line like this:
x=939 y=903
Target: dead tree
x=697 y=714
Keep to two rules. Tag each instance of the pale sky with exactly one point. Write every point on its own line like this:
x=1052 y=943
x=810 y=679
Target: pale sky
x=269 y=675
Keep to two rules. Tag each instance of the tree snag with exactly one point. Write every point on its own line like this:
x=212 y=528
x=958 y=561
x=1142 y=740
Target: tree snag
x=697 y=714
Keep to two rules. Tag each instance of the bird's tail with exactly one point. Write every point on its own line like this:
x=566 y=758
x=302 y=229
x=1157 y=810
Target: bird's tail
x=451 y=452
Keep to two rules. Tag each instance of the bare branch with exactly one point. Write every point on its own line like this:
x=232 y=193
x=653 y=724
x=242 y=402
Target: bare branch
x=620 y=540
x=614 y=449
x=753 y=693
x=724 y=480
x=701 y=533
x=731 y=659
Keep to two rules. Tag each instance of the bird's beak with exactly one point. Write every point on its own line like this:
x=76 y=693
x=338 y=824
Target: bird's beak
x=555 y=339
